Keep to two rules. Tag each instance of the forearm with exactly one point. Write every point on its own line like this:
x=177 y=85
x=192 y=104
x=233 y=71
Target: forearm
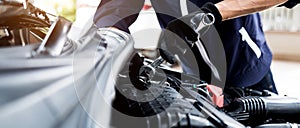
x=234 y=8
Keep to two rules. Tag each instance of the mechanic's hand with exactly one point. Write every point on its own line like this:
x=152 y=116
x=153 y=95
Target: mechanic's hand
x=183 y=33
x=189 y=28
x=185 y=30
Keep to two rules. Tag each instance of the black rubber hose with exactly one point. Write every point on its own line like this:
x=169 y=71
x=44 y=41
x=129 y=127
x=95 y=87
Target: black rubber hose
x=274 y=107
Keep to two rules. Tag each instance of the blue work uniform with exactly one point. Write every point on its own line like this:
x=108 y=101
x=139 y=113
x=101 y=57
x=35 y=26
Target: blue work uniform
x=248 y=57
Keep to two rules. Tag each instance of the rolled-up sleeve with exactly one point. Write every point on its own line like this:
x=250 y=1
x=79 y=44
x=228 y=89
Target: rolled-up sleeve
x=117 y=13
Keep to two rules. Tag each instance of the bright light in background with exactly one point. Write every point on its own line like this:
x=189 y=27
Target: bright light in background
x=65 y=8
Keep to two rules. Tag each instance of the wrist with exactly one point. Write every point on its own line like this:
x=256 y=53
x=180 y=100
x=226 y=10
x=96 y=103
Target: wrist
x=211 y=8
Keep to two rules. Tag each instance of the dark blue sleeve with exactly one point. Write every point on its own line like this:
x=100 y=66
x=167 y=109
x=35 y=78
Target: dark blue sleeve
x=117 y=13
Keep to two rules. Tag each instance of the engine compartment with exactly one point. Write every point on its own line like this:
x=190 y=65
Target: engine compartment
x=174 y=99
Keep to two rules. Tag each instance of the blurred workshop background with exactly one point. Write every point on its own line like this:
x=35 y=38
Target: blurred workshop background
x=282 y=27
